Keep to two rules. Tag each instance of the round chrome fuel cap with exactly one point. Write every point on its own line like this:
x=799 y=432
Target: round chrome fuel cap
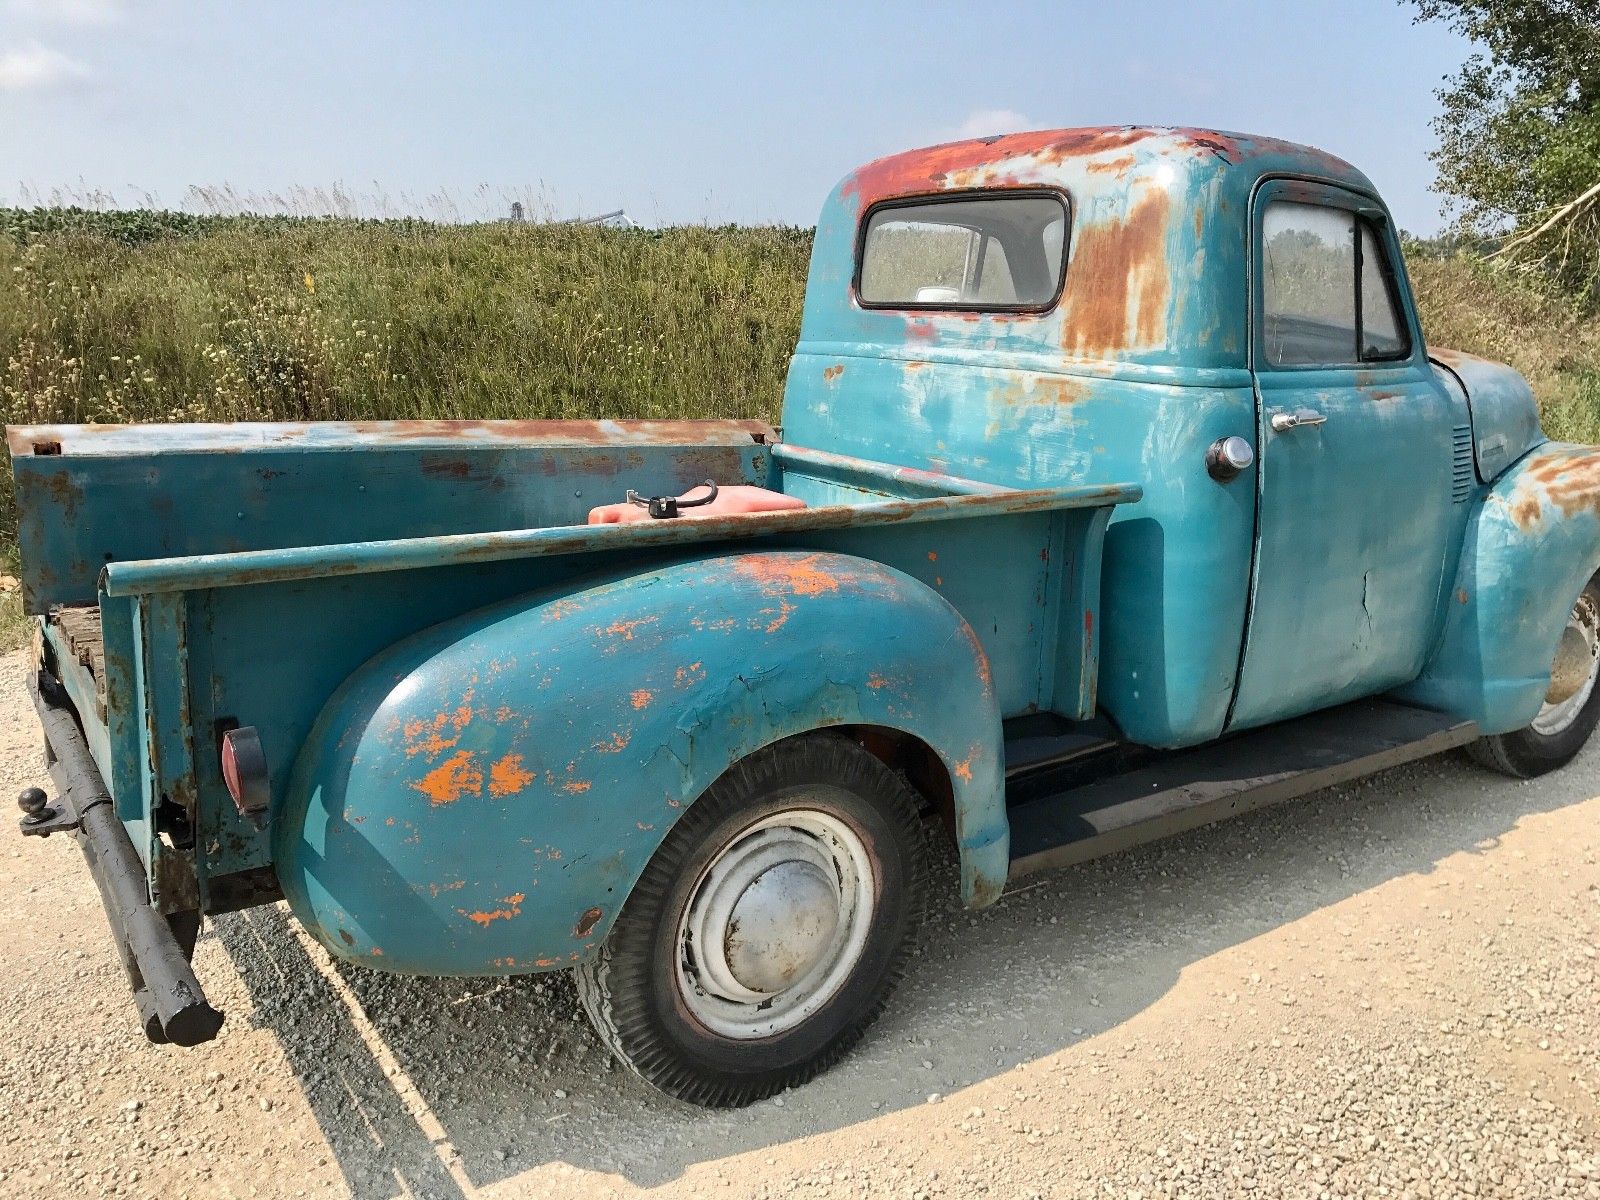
x=1229 y=456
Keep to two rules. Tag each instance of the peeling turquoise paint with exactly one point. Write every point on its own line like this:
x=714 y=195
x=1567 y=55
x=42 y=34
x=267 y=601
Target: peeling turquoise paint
x=466 y=796
x=1529 y=549
x=481 y=715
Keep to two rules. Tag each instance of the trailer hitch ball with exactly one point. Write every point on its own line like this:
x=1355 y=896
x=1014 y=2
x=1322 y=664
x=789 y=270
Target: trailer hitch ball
x=35 y=806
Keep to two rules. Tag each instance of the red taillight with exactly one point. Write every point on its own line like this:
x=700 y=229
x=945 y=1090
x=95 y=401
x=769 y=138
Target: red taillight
x=244 y=770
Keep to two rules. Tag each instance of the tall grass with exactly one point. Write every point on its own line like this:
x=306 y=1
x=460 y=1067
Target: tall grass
x=280 y=318
x=153 y=316
x=1466 y=304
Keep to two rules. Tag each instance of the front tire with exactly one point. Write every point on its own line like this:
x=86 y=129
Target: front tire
x=768 y=930
x=1571 y=709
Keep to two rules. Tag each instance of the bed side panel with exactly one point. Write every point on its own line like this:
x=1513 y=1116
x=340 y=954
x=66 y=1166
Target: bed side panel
x=78 y=512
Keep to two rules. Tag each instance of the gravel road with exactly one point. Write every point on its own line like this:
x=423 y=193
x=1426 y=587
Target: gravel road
x=1381 y=990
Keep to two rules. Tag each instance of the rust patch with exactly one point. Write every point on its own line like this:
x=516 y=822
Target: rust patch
x=691 y=674
x=428 y=737
x=616 y=744
x=507 y=776
x=1064 y=144
x=981 y=659
x=780 y=616
x=556 y=610
x=1057 y=390
x=778 y=573
x=587 y=922
x=577 y=786
x=1453 y=358
x=452 y=779
x=1118 y=166
x=978 y=161
x=626 y=629
x=641 y=699
x=829 y=374
x=932 y=168
x=1117 y=282
x=963 y=769
x=513 y=908
x=462 y=470
x=558 y=433
x=1567 y=481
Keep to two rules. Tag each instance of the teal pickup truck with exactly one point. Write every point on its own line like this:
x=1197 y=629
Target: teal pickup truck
x=1117 y=491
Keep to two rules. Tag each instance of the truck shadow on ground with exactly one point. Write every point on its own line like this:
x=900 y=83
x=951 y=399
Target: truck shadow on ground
x=442 y=1085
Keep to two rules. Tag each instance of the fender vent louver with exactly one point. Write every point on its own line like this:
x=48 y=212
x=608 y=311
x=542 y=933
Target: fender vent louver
x=1461 y=473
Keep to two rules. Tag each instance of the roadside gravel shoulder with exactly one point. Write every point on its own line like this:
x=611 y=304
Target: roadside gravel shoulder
x=1386 y=989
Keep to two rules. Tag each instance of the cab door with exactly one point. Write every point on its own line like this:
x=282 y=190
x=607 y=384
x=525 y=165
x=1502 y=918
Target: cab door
x=1357 y=442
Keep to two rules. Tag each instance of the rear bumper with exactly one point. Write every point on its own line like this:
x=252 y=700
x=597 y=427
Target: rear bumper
x=172 y=1005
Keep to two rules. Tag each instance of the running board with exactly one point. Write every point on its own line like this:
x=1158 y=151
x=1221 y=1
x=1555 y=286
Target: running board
x=1185 y=789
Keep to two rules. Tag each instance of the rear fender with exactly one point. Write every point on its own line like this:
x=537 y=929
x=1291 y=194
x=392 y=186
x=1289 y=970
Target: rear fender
x=1531 y=546
x=482 y=797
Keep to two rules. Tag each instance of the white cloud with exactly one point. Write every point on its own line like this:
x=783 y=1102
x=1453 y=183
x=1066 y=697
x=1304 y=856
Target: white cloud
x=985 y=121
x=77 y=13
x=35 y=67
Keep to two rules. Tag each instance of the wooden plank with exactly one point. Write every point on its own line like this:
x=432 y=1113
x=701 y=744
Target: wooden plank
x=81 y=628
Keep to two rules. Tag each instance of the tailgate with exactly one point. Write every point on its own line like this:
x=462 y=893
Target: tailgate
x=134 y=722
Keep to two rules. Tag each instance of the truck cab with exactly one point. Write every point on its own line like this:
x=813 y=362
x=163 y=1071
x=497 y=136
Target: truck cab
x=1112 y=304
x=1116 y=491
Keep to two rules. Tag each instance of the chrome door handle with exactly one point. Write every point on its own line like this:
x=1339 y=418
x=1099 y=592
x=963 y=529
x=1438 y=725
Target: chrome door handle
x=1282 y=422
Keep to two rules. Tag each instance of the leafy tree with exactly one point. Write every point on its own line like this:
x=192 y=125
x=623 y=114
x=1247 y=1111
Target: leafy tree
x=1519 y=134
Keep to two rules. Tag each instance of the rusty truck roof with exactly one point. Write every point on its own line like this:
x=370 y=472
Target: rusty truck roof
x=1157 y=270
x=1103 y=154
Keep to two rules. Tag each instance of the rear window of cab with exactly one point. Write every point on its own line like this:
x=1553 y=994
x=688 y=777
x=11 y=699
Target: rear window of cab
x=985 y=252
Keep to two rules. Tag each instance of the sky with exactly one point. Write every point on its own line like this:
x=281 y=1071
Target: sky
x=676 y=112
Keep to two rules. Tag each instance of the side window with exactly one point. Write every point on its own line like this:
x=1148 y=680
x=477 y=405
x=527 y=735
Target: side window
x=1327 y=289
x=998 y=251
x=1383 y=333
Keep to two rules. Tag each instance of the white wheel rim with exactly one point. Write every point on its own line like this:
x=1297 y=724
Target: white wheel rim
x=1576 y=667
x=775 y=924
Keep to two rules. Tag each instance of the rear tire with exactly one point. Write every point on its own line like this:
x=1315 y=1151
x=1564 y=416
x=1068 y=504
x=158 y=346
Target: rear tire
x=768 y=930
x=1571 y=709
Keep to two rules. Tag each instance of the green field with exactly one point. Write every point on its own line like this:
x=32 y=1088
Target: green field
x=159 y=317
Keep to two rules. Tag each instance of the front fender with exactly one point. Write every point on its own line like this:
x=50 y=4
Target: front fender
x=1531 y=545
x=482 y=797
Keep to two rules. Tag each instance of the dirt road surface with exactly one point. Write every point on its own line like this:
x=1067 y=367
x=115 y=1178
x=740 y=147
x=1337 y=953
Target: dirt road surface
x=1383 y=990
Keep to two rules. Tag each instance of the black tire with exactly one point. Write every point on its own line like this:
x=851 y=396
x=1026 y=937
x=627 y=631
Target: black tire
x=1527 y=753
x=633 y=989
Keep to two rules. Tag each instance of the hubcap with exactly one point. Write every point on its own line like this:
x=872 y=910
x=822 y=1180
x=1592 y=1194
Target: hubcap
x=781 y=926
x=1573 y=674
x=775 y=924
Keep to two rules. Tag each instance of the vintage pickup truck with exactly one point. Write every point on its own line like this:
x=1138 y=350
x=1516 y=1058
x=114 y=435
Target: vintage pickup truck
x=1117 y=491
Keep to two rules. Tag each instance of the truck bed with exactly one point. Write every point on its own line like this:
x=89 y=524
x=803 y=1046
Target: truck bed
x=193 y=578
